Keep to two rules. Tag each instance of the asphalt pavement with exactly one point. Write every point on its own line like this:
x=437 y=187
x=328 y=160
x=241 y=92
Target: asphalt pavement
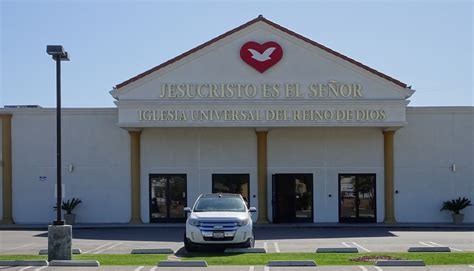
x=275 y=240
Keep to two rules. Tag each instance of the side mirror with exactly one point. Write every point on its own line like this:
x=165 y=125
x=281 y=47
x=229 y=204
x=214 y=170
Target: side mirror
x=187 y=210
x=252 y=210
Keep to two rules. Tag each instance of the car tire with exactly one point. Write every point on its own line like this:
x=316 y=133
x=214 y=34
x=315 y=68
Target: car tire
x=189 y=246
x=250 y=243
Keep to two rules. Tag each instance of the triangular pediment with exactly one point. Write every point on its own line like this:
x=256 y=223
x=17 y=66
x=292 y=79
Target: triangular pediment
x=219 y=61
x=262 y=62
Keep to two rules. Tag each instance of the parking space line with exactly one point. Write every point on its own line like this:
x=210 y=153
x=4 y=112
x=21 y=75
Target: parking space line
x=102 y=250
x=378 y=268
x=471 y=266
x=17 y=247
x=41 y=268
x=277 y=248
x=153 y=268
x=24 y=268
x=266 y=268
x=251 y=268
x=265 y=245
x=99 y=247
x=425 y=244
x=439 y=245
x=361 y=247
x=345 y=244
x=363 y=268
x=139 y=268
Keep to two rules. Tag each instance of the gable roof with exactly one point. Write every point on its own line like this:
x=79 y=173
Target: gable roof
x=260 y=18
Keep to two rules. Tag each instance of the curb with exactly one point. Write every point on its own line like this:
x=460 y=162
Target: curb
x=152 y=251
x=400 y=263
x=182 y=264
x=429 y=249
x=85 y=263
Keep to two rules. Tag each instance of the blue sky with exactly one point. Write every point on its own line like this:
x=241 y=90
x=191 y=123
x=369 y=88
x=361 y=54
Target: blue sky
x=426 y=44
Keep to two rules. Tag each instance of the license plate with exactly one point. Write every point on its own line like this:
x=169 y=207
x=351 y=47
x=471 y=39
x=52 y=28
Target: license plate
x=218 y=235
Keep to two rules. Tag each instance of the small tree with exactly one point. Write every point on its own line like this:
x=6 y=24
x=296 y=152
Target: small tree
x=69 y=205
x=456 y=205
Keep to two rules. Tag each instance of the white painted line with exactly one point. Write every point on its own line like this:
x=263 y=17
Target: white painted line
x=425 y=244
x=439 y=245
x=361 y=247
x=153 y=268
x=41 y=268
x=471 y=266
x=107 y=248
x=363 y=268
x=251 y=268
x=378 y=268
x=24 y=268
x=345 y=244
x=139 y=268
x=266 y=268
x=99 y=247
x=18 y=247
x=277 y=248
x=265 y=245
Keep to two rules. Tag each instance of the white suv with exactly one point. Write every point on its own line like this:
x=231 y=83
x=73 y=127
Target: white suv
x=219 y=219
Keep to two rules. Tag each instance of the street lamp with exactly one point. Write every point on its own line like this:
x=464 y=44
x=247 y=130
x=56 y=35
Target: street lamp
x=59 y=234
x=58 y=54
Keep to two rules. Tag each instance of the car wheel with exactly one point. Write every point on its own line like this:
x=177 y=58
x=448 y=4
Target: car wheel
x=188 y=245
x=250 y=243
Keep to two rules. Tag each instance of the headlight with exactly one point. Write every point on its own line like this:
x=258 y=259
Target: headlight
x=193 y=222
x=243 y=222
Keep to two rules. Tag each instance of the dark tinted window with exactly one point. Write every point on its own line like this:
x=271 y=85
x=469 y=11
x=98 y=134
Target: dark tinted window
x=224 y=204
x=233 y=184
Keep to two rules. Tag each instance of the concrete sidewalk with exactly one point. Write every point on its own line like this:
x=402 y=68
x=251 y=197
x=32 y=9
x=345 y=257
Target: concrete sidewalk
x=448 y=226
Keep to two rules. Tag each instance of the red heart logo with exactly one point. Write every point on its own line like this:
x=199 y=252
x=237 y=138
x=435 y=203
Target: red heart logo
x=261 y=56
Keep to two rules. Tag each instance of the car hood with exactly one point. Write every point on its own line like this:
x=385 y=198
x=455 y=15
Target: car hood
x=230 y=216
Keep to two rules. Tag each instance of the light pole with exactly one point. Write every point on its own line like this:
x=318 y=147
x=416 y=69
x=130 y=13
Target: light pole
x=59 y=234
x=58 y=54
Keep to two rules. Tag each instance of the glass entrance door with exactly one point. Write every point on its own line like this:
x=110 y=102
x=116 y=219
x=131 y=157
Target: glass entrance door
x=292 y=198
x=167 y=197
x=357 y=198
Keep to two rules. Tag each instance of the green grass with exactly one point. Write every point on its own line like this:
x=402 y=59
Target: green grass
x=333 y=258
x=262 y=259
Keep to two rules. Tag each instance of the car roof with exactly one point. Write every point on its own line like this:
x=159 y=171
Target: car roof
x=220 y=195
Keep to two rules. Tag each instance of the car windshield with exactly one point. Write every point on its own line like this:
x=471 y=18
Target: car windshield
x=223 y=204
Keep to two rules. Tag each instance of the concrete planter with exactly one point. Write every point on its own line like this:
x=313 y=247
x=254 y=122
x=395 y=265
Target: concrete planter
x=458 y=218
x=70 y=219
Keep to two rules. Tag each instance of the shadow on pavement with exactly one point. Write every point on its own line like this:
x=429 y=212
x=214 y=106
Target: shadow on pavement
x=176 y=234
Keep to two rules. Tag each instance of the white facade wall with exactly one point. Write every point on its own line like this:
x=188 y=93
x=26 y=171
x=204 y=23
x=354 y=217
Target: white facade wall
x=198 y=153
x=327 y=152
x=434 y=139
x=92 y=143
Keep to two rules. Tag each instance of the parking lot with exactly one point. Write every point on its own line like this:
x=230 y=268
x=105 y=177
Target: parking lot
x=249 y=268
x=275 y=240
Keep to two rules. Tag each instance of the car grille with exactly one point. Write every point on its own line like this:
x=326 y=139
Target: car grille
x=218 y=226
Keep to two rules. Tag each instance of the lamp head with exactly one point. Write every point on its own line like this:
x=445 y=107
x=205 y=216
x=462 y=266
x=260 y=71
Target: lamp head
x=57 y=51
